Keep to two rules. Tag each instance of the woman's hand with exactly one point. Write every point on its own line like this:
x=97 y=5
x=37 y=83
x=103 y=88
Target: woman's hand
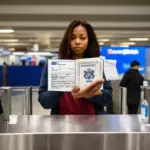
x=91 y=90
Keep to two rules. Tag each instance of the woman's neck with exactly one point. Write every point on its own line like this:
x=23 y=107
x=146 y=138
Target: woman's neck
x=78 y=56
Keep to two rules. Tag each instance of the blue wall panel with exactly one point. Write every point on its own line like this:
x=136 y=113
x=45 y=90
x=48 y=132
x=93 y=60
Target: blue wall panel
x=24 y=75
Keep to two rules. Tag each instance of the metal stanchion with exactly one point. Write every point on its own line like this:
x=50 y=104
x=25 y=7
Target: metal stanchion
x=6 y=102
x=142 y=93
x=145 y=94
x=28 y=101
x=123 y=100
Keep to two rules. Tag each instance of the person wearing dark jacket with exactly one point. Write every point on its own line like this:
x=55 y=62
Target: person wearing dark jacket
x=79 y=42
x=133 y=80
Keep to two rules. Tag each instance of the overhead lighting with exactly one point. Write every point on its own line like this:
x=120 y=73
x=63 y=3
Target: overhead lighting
x=17 y=44
x=18 y=53
x=112 y=45
x=127 y=43
x=119 y=45
x=123 y=45
x=138 y=39
x=9 y=40
x=101 y=43
x=103 y=40
x=12 y=49
x=40 y=53
x=6 y=30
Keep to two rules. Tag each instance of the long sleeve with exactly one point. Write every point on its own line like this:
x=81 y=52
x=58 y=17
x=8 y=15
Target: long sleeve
x=142 y=79
x=125 y=80
x=106 y=97
x=47 y=98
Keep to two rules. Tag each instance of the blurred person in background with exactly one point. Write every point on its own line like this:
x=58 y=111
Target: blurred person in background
x=23 y=62
x=13 y=64
x=41 y=64
x=132 y=80
x=4 y=64
x=79 y=42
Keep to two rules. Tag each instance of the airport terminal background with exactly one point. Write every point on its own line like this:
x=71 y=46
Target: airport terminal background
x=21 y=69
x=30 y=34
x=27 y=68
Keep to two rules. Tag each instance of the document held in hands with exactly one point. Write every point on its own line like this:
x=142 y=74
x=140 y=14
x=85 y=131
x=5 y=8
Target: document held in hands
x=63 y=75
x=110 y=70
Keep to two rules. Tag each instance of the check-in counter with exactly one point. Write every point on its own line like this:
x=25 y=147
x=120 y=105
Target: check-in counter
x=103 y=132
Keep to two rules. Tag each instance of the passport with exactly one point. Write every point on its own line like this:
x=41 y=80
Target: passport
x=63 y=75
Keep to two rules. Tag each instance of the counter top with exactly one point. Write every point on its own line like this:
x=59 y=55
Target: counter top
x=72 y=124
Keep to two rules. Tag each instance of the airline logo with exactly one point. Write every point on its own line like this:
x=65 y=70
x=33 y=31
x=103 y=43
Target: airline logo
x=123 y=52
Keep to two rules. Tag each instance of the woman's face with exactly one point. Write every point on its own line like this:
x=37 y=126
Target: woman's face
x=79 y=40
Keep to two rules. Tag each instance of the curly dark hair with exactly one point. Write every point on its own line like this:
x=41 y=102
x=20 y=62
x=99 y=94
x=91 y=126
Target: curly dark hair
x=92 y=50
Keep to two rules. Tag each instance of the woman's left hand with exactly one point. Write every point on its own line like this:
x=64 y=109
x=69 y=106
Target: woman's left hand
x=91 y=90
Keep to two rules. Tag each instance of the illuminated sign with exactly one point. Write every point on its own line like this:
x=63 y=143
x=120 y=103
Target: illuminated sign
x=125 y=56
x=123 y=52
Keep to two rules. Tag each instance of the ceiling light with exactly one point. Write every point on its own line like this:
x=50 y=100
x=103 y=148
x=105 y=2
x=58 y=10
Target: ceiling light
x=33 y=40
x=138 y=39
x=112 y=45
x=18 y=53
x=103 y=40
x=6 y=30
x=123 y=45
x=12 y=49
x=17 y=44
x=127 y=43
x=40 y=53
x=101 y=43
x=9 y=40
x=119 y=45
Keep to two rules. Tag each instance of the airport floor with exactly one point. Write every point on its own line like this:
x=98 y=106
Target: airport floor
x=17 y=104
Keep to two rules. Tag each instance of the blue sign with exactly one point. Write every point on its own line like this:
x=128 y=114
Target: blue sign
x=124 y=56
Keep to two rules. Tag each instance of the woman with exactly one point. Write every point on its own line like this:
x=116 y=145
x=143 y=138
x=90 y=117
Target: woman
x=78 y=42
